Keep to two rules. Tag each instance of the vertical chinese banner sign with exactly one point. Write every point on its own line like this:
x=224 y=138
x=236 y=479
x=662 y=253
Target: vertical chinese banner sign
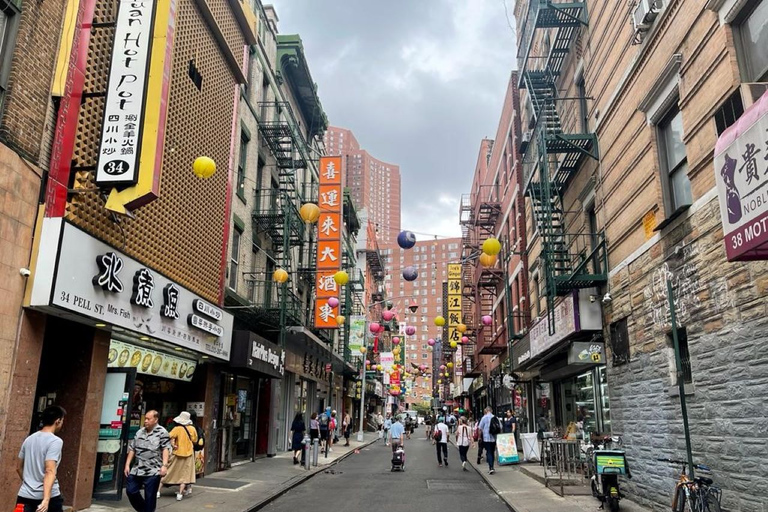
x=454 y=302
x=328 y=241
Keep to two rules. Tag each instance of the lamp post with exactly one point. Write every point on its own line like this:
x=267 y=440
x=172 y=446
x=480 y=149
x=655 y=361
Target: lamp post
x=360 y=433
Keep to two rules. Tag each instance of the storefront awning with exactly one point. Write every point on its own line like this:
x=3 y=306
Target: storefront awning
x=251 y=351
x=300 y=339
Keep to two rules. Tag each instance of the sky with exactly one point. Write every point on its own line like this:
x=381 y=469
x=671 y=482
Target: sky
x=419 y=82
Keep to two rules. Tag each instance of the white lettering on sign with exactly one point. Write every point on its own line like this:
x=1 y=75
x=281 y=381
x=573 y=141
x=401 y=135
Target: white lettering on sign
x=123 y=107
x=269 y=356
x=205 y=325
x=206 y=309
x=524 y=357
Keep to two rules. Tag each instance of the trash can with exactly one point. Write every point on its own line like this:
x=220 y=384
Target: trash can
x=530 y=447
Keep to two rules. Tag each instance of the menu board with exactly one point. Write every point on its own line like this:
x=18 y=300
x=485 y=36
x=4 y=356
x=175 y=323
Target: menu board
x=507 y=449
x=150 y=362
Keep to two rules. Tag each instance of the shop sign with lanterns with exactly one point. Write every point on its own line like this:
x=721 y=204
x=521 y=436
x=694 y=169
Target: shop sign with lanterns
x=81 y=274
x=329 y=233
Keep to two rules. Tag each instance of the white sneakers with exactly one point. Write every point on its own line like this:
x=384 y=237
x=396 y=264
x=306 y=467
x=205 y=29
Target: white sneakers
x=179 y=496
x=464 y=465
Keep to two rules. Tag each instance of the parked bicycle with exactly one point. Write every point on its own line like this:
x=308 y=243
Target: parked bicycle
x=697 y=495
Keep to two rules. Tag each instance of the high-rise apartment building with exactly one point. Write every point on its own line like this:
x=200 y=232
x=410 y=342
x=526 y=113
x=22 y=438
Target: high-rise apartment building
x=373 y=183
x=431 y=259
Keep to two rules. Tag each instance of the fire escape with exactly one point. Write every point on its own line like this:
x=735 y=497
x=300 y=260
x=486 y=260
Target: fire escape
x=553 y=156
x=276 y=212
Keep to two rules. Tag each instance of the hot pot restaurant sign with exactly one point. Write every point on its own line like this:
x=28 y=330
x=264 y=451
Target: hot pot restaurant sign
x=96 y=280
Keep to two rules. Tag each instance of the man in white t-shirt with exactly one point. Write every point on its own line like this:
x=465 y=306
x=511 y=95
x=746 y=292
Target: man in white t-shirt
x=39 y=460
x=441 y=444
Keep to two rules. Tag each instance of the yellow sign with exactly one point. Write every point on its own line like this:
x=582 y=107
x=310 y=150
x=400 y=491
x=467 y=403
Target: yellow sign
x=231 y=400
x=454 y=271
x=454 y=302
x=649 y=224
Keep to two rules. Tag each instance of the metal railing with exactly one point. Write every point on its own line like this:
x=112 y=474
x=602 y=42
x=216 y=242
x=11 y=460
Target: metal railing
x=564 y=465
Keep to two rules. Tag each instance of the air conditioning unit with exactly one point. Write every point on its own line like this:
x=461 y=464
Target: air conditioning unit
x=525 y=140
x=752 y=91
x=644 y=14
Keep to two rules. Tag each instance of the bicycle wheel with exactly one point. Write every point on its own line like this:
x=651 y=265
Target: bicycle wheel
x=711 y=503
x=678 y=505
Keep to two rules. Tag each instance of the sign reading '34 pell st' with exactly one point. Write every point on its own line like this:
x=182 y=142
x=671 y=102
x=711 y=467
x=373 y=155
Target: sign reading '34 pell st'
x=88 y=277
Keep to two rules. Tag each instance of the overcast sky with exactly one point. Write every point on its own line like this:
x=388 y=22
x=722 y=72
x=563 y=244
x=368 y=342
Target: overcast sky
x=419 y=82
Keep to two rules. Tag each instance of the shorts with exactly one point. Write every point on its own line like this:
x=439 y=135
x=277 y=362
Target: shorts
x=56 y=503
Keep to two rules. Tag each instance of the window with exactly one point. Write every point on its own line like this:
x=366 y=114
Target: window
x=424 y=356
x=685 y=356
x=241 y=166
x=234 y=258
x=9 y=19
x=751 y=33
x=676 y=186
x=535 y=291
x=583 y=109
x=729 y=112
x=594 y=238
x=620 y=342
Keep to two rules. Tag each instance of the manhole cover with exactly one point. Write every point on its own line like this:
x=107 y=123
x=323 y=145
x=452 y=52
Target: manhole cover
x=453 y=485
x=220 y=483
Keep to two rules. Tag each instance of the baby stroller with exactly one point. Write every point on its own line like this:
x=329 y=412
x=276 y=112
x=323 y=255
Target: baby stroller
x=398 y=459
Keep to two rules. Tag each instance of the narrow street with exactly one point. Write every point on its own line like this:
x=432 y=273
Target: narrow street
x=423 y=487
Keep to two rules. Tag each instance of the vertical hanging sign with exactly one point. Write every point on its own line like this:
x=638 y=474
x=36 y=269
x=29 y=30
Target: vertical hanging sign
x=126 y=91
x=328 y=241
x=454 y=302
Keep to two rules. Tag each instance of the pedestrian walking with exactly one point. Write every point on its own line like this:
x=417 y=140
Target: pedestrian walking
x=38 y=462
x=478 y=436
x=463 y=441
x=314 y=427
x=428 y=425
x=441 y=437
x=181 y=468
x=396 y=435
x=346 y=425
x=324 y=421
x=510 y=423
x=151 y=449
x=331 y=431
x=298 y=428
x=490 y=427
x=387 y=426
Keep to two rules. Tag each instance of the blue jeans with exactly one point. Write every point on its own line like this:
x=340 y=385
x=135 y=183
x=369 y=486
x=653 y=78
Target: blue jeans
x=490 y=452
x=148 y=502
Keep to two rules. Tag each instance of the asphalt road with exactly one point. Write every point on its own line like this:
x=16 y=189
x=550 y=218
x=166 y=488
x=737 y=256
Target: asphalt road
x=363 y=482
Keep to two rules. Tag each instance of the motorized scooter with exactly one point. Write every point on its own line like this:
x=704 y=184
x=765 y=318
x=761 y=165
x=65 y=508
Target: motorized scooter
x=607 y=466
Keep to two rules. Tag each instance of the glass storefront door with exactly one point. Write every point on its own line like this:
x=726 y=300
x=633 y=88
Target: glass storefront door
x=239 y=417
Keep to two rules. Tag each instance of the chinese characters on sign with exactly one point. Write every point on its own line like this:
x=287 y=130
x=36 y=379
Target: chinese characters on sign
x=741 y=174
x=454 y=302
x=121 y=127
x=328 y=241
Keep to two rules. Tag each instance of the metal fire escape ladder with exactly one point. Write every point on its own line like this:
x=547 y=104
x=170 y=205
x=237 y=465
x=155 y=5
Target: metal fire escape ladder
x=557 y=156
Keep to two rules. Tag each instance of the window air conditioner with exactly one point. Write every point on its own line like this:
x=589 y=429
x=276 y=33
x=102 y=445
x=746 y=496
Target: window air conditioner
x=644 y=14
x=753 y=91
x=525 y=140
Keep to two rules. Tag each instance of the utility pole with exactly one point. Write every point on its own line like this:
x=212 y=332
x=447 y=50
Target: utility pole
x=680 y=378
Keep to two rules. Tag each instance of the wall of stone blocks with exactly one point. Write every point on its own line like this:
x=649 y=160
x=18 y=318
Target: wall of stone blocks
x=722 y=305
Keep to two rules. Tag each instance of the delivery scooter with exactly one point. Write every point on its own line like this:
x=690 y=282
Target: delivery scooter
x=607 y=466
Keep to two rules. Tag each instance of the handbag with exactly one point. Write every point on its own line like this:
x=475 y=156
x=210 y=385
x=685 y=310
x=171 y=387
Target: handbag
x=200 y=444
x=476 y=435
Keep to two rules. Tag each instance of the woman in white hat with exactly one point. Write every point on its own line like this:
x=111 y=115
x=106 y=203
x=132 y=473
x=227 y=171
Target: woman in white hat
x=181 y=470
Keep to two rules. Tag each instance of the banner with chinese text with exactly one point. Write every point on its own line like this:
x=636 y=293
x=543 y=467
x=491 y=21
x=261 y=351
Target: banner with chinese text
x=454 y=302
x=328 y=241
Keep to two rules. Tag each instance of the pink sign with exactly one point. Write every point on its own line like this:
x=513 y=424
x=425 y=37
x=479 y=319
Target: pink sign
x=741 y=174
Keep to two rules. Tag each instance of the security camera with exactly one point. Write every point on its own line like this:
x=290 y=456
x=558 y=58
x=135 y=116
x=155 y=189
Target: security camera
x=592 y=298
x=413 y=307
x=25 y=272
x=607 y=298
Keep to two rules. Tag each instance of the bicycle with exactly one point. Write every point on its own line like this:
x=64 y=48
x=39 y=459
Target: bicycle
x=697 y=495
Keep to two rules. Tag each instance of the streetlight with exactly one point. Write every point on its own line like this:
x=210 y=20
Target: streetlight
x=363 y=350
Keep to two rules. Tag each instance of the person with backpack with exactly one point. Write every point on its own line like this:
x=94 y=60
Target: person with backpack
x=323 y=423
x=181 y=469
x=441 y=437
x=490 y=427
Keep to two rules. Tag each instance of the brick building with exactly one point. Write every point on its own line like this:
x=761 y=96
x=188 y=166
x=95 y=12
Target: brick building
x=373 y=183
x=624 y=114
x=430 y=258
x=498 y=288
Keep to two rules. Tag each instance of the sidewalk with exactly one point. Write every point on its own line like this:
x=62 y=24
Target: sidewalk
x=244 y=488
x=525 y=493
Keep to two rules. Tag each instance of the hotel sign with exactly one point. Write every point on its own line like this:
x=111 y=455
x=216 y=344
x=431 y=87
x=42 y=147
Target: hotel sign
x=741 y=174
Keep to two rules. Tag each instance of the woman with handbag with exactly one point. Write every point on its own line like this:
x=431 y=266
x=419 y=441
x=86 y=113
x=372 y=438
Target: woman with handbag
x=181 y=469
x=463 y=441
x=346 y=426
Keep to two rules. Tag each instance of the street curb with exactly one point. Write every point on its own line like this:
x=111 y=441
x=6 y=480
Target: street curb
x=488 y=482
x=301 y=479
